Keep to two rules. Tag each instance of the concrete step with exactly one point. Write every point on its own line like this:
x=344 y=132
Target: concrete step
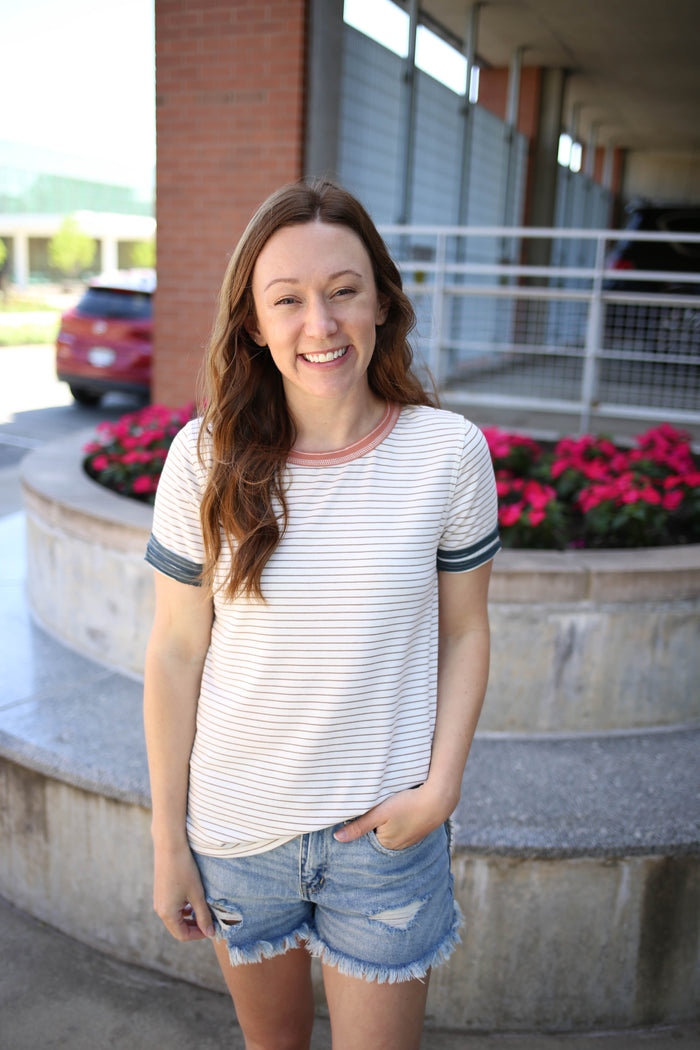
x=579 y=853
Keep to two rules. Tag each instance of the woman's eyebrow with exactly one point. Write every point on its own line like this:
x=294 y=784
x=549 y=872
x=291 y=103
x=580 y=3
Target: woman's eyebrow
x=295 y=280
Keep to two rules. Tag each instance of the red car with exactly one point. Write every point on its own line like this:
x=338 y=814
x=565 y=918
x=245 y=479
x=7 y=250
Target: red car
x=104 y=343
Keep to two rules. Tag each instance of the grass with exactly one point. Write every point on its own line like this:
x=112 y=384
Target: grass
x=17 y=304
x=29 y=334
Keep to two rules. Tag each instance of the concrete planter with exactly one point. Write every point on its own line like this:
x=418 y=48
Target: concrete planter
x=577 y=846
x=582 y=641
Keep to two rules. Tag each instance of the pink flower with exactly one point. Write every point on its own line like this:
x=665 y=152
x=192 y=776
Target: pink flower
x=537 y=495
x=537 y=517
x=649 y=495
x=145 y=483
x=671 y=500
x=510 y=513
x=100 y=463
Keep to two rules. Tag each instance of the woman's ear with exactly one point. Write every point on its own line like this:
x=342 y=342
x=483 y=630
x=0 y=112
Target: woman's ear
x=382 y=310
x=251 y=326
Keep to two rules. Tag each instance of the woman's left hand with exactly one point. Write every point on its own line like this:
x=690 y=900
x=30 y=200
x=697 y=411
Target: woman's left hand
x=399 y=821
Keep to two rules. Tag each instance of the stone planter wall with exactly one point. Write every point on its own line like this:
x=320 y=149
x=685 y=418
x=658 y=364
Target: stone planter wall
x=577 y=840
x=582 y=641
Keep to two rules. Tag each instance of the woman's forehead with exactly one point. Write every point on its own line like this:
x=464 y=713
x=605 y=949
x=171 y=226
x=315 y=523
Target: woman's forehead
x=312 y=247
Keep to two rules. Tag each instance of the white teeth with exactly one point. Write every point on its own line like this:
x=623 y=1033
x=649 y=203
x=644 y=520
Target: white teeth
x=318 y=359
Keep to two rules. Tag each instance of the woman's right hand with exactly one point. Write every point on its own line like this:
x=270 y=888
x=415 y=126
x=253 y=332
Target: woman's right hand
x=178 y=895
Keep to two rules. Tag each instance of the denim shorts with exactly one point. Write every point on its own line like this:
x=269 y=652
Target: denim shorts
x=376 y=913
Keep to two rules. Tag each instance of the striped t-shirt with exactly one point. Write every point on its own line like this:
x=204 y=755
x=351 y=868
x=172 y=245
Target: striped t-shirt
x=320 y=702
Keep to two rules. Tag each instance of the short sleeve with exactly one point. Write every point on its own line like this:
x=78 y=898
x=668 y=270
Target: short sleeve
x=175 y=546
x=470 y=537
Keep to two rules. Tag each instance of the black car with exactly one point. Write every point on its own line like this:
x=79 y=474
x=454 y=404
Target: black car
x=645 y=326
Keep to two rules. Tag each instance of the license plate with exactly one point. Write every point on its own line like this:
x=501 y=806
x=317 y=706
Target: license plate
x=101 y=356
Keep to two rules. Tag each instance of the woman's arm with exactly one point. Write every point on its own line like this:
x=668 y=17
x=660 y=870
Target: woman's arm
x=174 y=660
x=463 y=667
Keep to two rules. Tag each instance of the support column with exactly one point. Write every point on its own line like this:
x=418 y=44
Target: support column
x=230 y=91
x=543 y=173
x=325 y=69
x=408 y=118
x=109 y=253
x=20 y=258
x=467 y=116
x=512 y=108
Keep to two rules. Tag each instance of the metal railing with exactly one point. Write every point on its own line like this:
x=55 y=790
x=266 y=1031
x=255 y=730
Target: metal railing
x=499 y=325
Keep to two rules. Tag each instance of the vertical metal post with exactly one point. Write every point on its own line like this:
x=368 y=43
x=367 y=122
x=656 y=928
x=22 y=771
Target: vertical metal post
x=588 y=171
x=408 y=119
x=608 y=165
x=593 y=329
x=514 y=75
x=465 y=162
x=438 y=311
x=507 y=252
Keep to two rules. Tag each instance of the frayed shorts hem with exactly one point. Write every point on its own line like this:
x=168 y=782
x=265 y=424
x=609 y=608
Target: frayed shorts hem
x=255 y=953
x=381 y=973
x=347 y=965
x=369 y=911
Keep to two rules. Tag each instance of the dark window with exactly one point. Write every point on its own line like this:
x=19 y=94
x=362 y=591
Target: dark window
x=110 y=302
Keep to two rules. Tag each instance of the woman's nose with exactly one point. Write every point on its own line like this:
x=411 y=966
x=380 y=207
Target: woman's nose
x=319 y=321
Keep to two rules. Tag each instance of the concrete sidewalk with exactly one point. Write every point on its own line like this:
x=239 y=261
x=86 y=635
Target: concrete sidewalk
x=58 y=994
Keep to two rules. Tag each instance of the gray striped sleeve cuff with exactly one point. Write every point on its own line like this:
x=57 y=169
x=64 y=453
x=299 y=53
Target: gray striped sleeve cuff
x=174 y=565
x=469 y=557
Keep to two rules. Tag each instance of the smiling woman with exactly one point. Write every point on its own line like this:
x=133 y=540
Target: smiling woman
x=323 y=539
x=316 y=311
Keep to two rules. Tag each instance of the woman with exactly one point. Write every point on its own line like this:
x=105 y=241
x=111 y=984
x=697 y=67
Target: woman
x=322 y=539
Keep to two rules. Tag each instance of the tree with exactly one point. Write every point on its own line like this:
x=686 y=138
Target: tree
x=143 y=254
x=3 y=271
x=70 y=249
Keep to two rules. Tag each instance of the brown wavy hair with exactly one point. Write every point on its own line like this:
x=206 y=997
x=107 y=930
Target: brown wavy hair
x=247 y=432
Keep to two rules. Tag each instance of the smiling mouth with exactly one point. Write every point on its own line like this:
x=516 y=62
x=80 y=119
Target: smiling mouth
x=330 y=355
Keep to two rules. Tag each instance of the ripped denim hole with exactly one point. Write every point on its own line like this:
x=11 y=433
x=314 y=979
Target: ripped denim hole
x=401 y=918
x=226 y=917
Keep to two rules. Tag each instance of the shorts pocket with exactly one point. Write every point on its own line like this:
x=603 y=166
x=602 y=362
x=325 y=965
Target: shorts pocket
x=374 y=842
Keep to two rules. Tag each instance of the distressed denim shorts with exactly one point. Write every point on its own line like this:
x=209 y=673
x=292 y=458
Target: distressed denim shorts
x=377 y=913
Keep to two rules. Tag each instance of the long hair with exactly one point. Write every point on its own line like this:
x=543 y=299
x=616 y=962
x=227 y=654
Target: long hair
x=247 y=432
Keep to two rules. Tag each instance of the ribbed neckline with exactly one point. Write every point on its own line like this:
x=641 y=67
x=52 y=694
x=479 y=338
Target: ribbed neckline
x=360 y=448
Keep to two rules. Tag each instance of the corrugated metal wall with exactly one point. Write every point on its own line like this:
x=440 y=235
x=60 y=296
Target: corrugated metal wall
x=370 y=144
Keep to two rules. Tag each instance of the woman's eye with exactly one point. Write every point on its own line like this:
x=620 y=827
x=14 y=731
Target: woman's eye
x=285 y=300
x=345 y=291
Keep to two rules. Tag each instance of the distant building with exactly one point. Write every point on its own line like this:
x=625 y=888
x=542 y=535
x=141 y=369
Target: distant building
x=40 y=187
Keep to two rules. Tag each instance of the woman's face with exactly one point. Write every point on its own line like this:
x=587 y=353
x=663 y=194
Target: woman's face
x=316 y=308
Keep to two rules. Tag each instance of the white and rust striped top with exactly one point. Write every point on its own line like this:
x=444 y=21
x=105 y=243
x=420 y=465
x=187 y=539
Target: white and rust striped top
x=320 y=703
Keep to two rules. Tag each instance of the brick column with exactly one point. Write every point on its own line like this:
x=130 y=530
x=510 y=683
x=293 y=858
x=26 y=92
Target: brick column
x=230 y=129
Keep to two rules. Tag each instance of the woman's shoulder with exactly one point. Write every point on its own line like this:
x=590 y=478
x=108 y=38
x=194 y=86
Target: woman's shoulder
x=187 y=438
x=187 y=453
x=426 y=420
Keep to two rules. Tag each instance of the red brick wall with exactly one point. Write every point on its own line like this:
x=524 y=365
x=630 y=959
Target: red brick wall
x=230 y=126
x=493 y=95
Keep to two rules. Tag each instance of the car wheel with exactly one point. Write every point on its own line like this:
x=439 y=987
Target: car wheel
x=85 y=397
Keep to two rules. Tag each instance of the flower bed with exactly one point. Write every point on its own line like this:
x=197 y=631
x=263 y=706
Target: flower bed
x=578 y=493
x=588 y=492
x=128 y=455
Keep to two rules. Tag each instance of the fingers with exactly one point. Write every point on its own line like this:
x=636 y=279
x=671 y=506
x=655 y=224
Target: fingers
x=202 y=917
x=178 y=897
x=188 y=923
x=355 y=829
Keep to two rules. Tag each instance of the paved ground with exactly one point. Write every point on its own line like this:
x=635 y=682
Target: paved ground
x=58 y=994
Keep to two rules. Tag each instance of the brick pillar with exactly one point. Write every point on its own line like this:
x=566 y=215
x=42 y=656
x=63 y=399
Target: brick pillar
x=230 y=129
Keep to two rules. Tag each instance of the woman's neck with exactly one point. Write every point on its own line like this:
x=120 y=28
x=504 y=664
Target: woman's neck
x=330 y=426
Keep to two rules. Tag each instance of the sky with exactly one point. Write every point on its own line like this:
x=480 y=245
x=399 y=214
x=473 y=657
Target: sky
x=77 y=77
